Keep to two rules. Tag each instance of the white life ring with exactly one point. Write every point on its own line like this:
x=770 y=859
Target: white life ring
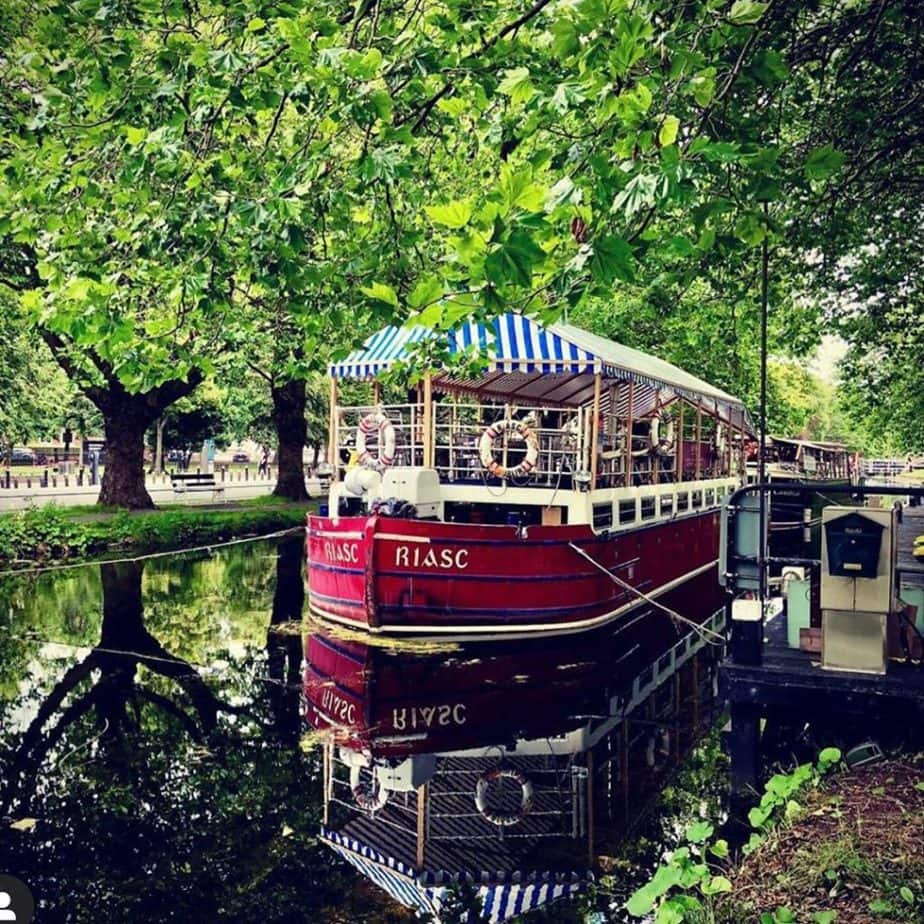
x=481 y=796
x=486 y=448
x=376 y=421
x=658 y=443
x=370 y=796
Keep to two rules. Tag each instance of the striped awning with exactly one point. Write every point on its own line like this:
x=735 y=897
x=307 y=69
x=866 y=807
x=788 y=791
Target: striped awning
x=502 y=896
x=515 y=344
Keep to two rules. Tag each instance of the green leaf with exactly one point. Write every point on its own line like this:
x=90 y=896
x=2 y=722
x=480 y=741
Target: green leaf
x=668 y=133
x=256 y=24
x=829 y=756
x=517 y=84
x=822 y=163
x=757 y=817
x=135 y=135
x=453 y=106
x=719 y=848
x=715 y=885
x=699 y=831
x=746 y=12
x=906 y=894
x=612 y=259
x=642 y=901
x=427 y=291
x=452 y=214
x=513 y=261
x=519 y=191
x=565 y=39
x=639 y=193
x=824 y=917
x=783 y=916
x=880 y=906
x=380 y=292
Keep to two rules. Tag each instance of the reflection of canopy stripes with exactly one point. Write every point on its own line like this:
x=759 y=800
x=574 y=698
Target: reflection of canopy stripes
x=503 y=895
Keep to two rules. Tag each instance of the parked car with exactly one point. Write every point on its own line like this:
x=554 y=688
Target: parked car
x=21 y=455
x=240 y=457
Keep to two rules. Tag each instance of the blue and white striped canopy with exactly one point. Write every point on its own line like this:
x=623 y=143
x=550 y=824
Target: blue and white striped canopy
x=502 y=897
x=513 y=343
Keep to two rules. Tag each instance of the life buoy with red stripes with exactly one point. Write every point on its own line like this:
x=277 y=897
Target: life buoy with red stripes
x=482 y=787
x=486 y=448
x=370 y=796
x=377 y=421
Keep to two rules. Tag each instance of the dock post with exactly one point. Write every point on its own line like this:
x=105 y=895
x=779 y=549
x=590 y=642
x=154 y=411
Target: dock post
x=744 y=747
x=590 y=807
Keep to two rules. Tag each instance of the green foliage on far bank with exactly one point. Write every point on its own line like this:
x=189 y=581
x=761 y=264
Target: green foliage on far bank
x=53 y=533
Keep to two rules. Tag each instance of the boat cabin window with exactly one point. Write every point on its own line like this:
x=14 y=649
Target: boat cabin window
x=648 y=508
x=667 y=505
x=683 y=501
x=697 y=500
x=603 y=515
x=626 y=512
x=710 y=497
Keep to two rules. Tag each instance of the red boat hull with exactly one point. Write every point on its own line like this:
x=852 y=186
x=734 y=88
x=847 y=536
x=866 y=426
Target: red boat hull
x=419 y=576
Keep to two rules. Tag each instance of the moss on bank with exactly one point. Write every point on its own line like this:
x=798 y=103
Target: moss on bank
x=53 y=533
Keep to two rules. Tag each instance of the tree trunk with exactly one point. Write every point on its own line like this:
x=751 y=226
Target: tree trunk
x=291 y=432
x=123 y=478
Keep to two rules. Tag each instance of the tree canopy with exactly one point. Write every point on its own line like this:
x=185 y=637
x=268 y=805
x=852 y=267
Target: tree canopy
x=185 y=178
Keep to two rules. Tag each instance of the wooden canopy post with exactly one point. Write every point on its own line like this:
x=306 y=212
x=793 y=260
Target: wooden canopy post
x=630 y=462
x=679 y=463
x=595 y=431
x=656 y=461
x=428 y=428
x=332 y=431
x=421 y=825
x=376 y=392
x=731 y=446
x=699 y=440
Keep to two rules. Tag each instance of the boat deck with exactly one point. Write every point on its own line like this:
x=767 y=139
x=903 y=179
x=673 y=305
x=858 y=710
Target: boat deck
x=911 y=569
x=786 y=676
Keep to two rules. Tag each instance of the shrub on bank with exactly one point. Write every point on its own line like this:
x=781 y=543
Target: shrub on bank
x=50 y=533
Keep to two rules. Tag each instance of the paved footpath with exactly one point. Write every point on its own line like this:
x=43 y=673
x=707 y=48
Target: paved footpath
x=70 y=495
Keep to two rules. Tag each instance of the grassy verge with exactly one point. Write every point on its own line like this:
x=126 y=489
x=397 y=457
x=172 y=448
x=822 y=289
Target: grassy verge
x=828 y=845
x=49 y=533
x=852 y=853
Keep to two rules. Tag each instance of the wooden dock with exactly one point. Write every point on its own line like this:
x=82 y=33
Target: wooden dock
x=766 y=681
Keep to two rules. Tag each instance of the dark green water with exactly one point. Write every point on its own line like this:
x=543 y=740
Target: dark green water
x=154 y=765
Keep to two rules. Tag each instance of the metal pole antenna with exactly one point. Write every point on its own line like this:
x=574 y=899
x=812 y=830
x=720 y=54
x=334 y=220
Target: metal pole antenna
x=761 y=459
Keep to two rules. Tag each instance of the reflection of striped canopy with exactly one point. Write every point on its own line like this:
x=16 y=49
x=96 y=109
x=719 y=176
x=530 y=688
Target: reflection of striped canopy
x=521 y=346
x=502 y=896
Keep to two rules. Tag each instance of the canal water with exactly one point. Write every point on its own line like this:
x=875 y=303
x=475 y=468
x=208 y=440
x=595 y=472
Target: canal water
x=157 y=763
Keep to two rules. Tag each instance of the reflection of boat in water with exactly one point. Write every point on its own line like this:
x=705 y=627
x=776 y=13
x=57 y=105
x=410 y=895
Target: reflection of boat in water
x=494 y=764
x=567 y=486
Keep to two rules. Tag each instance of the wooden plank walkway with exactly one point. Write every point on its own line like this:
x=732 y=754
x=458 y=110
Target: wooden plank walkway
x=911 y=569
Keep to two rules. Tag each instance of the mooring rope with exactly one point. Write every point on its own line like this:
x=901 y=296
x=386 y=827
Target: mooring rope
x=114 y=561
x=702 y=631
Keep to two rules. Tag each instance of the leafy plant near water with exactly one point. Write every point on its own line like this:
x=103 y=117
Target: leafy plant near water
x=41 y=533
x=685 y=887
x=51 y=533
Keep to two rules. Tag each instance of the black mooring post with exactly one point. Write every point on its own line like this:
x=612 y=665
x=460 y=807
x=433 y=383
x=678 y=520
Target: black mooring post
x=744 y=748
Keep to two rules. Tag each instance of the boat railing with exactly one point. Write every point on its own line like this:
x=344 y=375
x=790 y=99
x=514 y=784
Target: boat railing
x=565 y=439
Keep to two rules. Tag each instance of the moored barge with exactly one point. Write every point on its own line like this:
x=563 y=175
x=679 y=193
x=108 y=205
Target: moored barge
x=569 y=482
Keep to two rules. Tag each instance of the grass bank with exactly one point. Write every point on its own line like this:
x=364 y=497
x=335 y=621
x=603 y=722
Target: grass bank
x=59 y=533
x=828 y=845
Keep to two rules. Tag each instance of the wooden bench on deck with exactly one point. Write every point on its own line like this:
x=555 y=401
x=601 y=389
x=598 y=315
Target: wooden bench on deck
x=199 y=482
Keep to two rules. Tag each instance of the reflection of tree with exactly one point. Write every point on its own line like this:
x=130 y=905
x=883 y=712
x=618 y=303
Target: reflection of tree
x=116 y=695
x=284 y=642
x=136 y=819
